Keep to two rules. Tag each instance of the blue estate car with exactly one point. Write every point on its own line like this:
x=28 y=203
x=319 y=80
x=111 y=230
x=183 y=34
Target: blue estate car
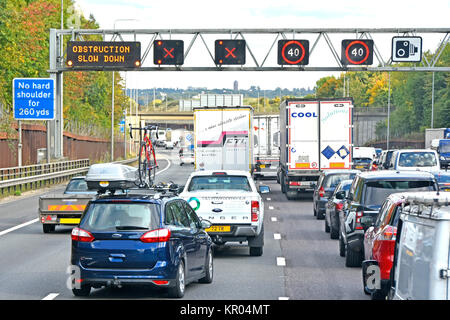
x=140 y=239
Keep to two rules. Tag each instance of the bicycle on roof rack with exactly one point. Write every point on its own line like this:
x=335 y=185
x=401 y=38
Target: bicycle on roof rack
x=147 y=158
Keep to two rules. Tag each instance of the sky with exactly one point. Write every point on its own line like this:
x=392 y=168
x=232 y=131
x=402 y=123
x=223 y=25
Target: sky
x=235 y=14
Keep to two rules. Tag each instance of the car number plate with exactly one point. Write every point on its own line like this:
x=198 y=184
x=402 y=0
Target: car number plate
x=218 y=229
x=262 y=166
x=359 y=167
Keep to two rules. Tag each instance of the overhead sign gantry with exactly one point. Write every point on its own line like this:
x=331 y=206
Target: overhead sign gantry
x=233 y=50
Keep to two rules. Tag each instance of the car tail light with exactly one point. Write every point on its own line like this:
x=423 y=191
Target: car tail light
x=339 y=206
x=294 y=183
x=321 y=192
x=389 y=233
x=359 y=215
x=160 y=282
x=82 y=235
x=158 y=235
x=255 y=211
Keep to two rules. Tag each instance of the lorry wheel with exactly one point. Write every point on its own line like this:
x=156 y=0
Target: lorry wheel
x=283 y=185
x=47 y=228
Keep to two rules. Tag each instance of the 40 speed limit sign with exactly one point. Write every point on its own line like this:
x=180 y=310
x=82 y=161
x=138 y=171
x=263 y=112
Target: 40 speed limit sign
x=357 y=52
x=293 y=52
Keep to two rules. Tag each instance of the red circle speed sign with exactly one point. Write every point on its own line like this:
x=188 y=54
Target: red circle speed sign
x=296 y=45
x=351 y=44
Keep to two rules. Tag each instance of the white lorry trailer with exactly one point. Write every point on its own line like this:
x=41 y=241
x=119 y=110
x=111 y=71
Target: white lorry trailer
x=223 y=138
x=266 y=141
x=315 y=135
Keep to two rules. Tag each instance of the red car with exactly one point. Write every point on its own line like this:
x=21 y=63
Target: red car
x=379 y=242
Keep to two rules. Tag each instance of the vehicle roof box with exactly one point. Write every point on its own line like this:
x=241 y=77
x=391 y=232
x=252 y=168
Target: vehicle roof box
x=111 y=176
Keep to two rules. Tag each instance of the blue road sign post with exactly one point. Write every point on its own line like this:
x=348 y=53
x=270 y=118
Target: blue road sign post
x=34 y=98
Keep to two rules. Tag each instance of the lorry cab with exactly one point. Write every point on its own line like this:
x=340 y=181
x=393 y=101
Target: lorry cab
x=442 y=146
x=421 y=264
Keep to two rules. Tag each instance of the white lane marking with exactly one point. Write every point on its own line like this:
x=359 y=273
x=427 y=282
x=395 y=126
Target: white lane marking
x=18 y=226
x=168 y=166
x=271 y=208
x=283 y=298
x=274 y=219
x=268 y=199
x=51 y=296
x=281 y=262
x=277 y=236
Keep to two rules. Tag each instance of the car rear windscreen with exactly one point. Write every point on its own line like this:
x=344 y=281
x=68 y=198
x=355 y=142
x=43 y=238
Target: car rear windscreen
x=377 y=191
x=362 y=160
x=215 y=182
x=121 y=216
x=332 y=180
x=417 y=159
x=77 y=185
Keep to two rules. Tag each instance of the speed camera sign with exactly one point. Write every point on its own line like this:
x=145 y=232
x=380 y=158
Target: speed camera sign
x=406 y=49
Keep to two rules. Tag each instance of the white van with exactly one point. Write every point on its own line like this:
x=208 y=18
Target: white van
x=421 y=263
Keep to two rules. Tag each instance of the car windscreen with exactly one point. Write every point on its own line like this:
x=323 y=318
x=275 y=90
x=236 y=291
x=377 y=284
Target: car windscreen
x=215 y=182
x=104 y=217
x=417 y=159
x=444 y=146
x=332 y=180
x=377 y=191
x=362 y=160
x=77 y=185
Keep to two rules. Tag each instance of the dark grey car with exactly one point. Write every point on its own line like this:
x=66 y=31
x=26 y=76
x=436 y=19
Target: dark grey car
x=326 y=184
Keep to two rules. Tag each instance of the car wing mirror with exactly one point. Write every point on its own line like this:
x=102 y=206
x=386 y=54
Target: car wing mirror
x=205 y=224
x=340 y=195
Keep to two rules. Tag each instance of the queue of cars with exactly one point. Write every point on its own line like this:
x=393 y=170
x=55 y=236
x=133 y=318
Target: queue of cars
x=365 y=212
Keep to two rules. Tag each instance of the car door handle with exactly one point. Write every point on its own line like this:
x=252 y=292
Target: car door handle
x=117 y=255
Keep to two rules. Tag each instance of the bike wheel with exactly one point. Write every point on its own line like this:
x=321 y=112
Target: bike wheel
x=143 y=166
x=152 y=165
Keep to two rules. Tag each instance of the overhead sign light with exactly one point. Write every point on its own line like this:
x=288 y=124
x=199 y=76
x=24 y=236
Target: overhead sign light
x=229 y=52
x=407 y=49
x=103 y=54
x=169 y=52
x=357 y=52
x=293 y=52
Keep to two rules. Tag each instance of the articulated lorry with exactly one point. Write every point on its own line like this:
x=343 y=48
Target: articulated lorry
x=315 y=135
x=223 y=138
x=266 y=141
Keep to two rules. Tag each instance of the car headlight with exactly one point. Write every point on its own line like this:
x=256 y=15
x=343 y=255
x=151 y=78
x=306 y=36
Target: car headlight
x=442 y=158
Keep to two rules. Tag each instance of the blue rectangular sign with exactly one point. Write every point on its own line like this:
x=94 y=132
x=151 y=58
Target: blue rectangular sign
x=34 y=98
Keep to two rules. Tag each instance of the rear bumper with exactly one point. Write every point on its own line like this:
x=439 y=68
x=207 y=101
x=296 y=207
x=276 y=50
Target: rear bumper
x=238 y=233
x=72 y=219
x=162 y=271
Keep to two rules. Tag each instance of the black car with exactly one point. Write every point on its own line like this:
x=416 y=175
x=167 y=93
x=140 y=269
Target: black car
x=333 y=207
x=326 y=184
x=367 y=193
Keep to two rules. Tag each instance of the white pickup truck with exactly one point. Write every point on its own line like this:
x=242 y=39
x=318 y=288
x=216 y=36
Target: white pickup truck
x=233 y=204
